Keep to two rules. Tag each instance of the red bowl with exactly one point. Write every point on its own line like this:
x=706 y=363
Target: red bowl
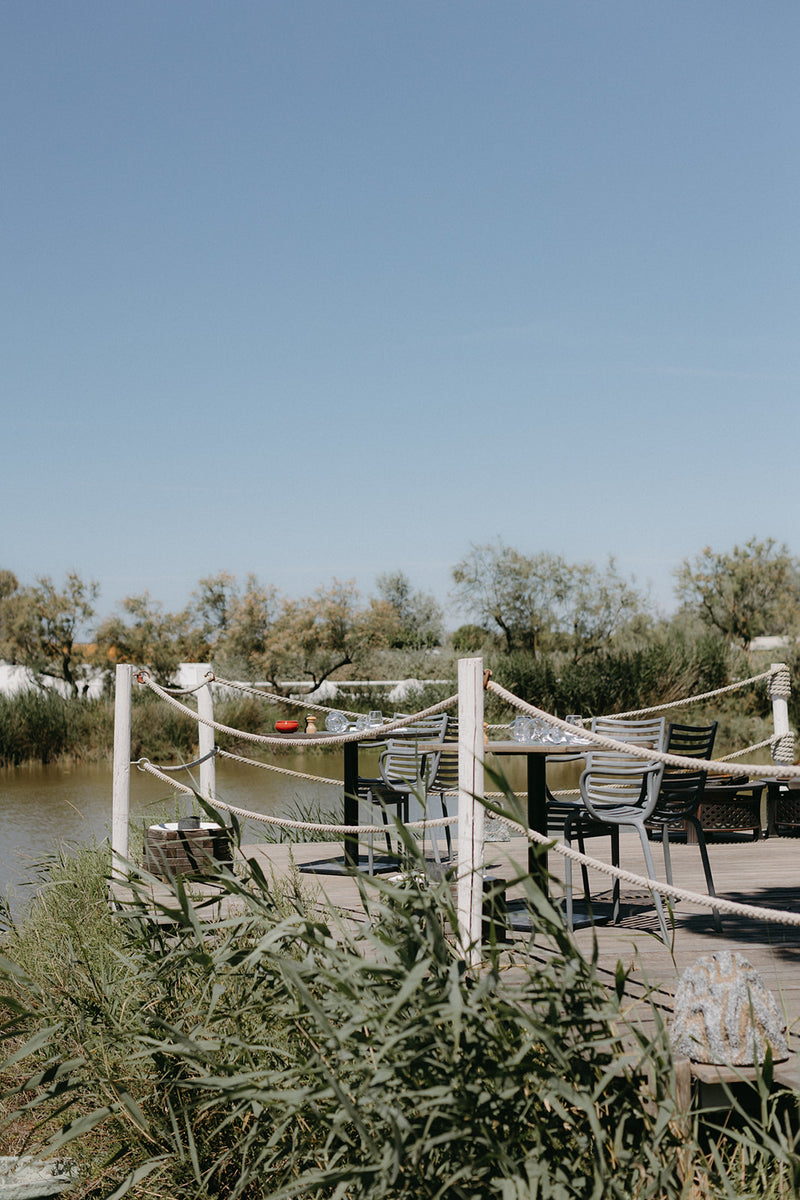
x=286 y=726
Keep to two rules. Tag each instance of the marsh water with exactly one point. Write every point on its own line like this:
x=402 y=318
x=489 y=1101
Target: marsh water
x=44 y=808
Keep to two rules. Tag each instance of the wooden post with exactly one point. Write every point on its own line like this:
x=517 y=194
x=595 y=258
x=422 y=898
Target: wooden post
x=470 y=810
x=782 y=752
x=206 y=739
x=121 y=786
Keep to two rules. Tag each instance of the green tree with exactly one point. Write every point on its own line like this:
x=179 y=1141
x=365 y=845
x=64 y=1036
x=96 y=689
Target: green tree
x=599 y=604
x=149 y=637
x=419 y=618
x=752 y=590
x=541 y=601
x=236 y=622
x=41 y=625
x=521 y=594
x=317 y=635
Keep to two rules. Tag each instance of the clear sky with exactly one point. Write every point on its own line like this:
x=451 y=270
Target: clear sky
x=325 y=289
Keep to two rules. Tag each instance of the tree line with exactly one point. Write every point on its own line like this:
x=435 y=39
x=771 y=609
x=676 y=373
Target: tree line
x=514 y=604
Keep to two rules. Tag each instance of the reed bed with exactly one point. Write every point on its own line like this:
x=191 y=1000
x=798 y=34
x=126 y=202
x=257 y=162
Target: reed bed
x=273 y=1052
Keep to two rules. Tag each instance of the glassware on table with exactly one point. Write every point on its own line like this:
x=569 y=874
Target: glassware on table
x=577 y=720
x=375 y=718
x=522 y=729
x=336 y=722
x=362 y=721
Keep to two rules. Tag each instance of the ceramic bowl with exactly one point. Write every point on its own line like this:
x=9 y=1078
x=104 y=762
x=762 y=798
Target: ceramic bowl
x=286 y=726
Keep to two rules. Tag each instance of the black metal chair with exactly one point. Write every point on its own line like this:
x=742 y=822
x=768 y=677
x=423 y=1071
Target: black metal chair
x=407 y=769
x=681 y=794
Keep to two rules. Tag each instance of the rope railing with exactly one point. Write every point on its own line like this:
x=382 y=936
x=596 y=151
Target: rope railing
x=196 y=762
x=712 y=766
x=730 y=907
x=373 y=733
x=275 y=698
x=781 y=686
x=144 y=764
x=773 y=672
x=268 y=766
x=773 y=916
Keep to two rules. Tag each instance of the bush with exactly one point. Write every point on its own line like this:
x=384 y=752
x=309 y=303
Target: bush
x=274 y=1053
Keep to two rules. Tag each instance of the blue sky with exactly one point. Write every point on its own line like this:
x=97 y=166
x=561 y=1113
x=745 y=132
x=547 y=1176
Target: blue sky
x=325 y=289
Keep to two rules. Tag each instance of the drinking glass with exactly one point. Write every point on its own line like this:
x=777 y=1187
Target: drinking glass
x=375 y=717
x=336 y=722
x=522 y=729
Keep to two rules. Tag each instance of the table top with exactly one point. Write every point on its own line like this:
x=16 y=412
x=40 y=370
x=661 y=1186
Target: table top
x=511 y=747
x=548 y=748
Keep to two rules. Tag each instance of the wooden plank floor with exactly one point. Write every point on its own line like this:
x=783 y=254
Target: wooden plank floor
x=764 y=873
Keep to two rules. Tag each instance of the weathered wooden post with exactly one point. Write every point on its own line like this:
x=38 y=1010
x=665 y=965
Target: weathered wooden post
x=470 y=809
x=121 y=785
x=205 y=733
x=780 y=688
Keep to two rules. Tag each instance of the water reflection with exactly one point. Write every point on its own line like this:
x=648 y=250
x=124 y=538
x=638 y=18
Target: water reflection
x=44 y=807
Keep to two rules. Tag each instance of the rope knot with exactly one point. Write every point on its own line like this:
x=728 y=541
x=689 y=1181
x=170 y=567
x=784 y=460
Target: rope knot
x=783 y=750
x=780 y=685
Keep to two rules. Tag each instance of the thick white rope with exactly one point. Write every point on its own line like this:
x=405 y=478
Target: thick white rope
x=731 y=687
x=268 y=766
x=773 y=916
x=781 y=687
x=144 y=764
x=196 y=762
x=770 y=915
x=189 y=691
x=374 y=733
x=274 y=698
x=712 y=766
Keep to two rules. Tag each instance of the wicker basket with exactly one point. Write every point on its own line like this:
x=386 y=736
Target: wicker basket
x=170 y=850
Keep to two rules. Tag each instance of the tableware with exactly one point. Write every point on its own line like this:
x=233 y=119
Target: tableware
x=375 y=717
x=336 y=722
x=576 y=719
x=286 y=726
x=522 y=729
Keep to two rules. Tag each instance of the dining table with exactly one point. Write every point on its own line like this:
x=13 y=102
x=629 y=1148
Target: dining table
x=351 y=859
x=536 y=756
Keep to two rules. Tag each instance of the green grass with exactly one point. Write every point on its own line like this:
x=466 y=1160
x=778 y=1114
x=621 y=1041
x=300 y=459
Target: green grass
x=279 y=1053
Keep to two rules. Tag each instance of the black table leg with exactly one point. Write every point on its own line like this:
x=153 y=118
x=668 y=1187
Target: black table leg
x=351 y=802
x=537 y=817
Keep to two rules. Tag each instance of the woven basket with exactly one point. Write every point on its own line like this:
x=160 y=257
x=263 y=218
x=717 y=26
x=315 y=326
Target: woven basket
x=170 y=851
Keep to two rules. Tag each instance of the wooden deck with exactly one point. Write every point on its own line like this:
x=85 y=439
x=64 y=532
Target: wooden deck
x=765 y=873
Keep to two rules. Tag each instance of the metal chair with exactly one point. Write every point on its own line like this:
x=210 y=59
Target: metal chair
x=406 y=769
x=444 y=784
x=681 y=794
x=618 y=789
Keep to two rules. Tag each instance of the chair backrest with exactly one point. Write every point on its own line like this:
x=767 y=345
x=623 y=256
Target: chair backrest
x=649 y=733
x=691 y=741
x=446 y=777
x=681 y=789
x=402 y=760
x=614 y=777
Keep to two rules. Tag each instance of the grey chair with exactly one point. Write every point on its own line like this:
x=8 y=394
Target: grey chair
x=618 y=789
x=406 y=770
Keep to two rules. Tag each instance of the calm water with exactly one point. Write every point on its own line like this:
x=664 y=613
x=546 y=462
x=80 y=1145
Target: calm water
x=44 y=807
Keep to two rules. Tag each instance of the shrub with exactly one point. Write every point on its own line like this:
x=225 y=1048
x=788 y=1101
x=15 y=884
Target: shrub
x=273 y=1053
